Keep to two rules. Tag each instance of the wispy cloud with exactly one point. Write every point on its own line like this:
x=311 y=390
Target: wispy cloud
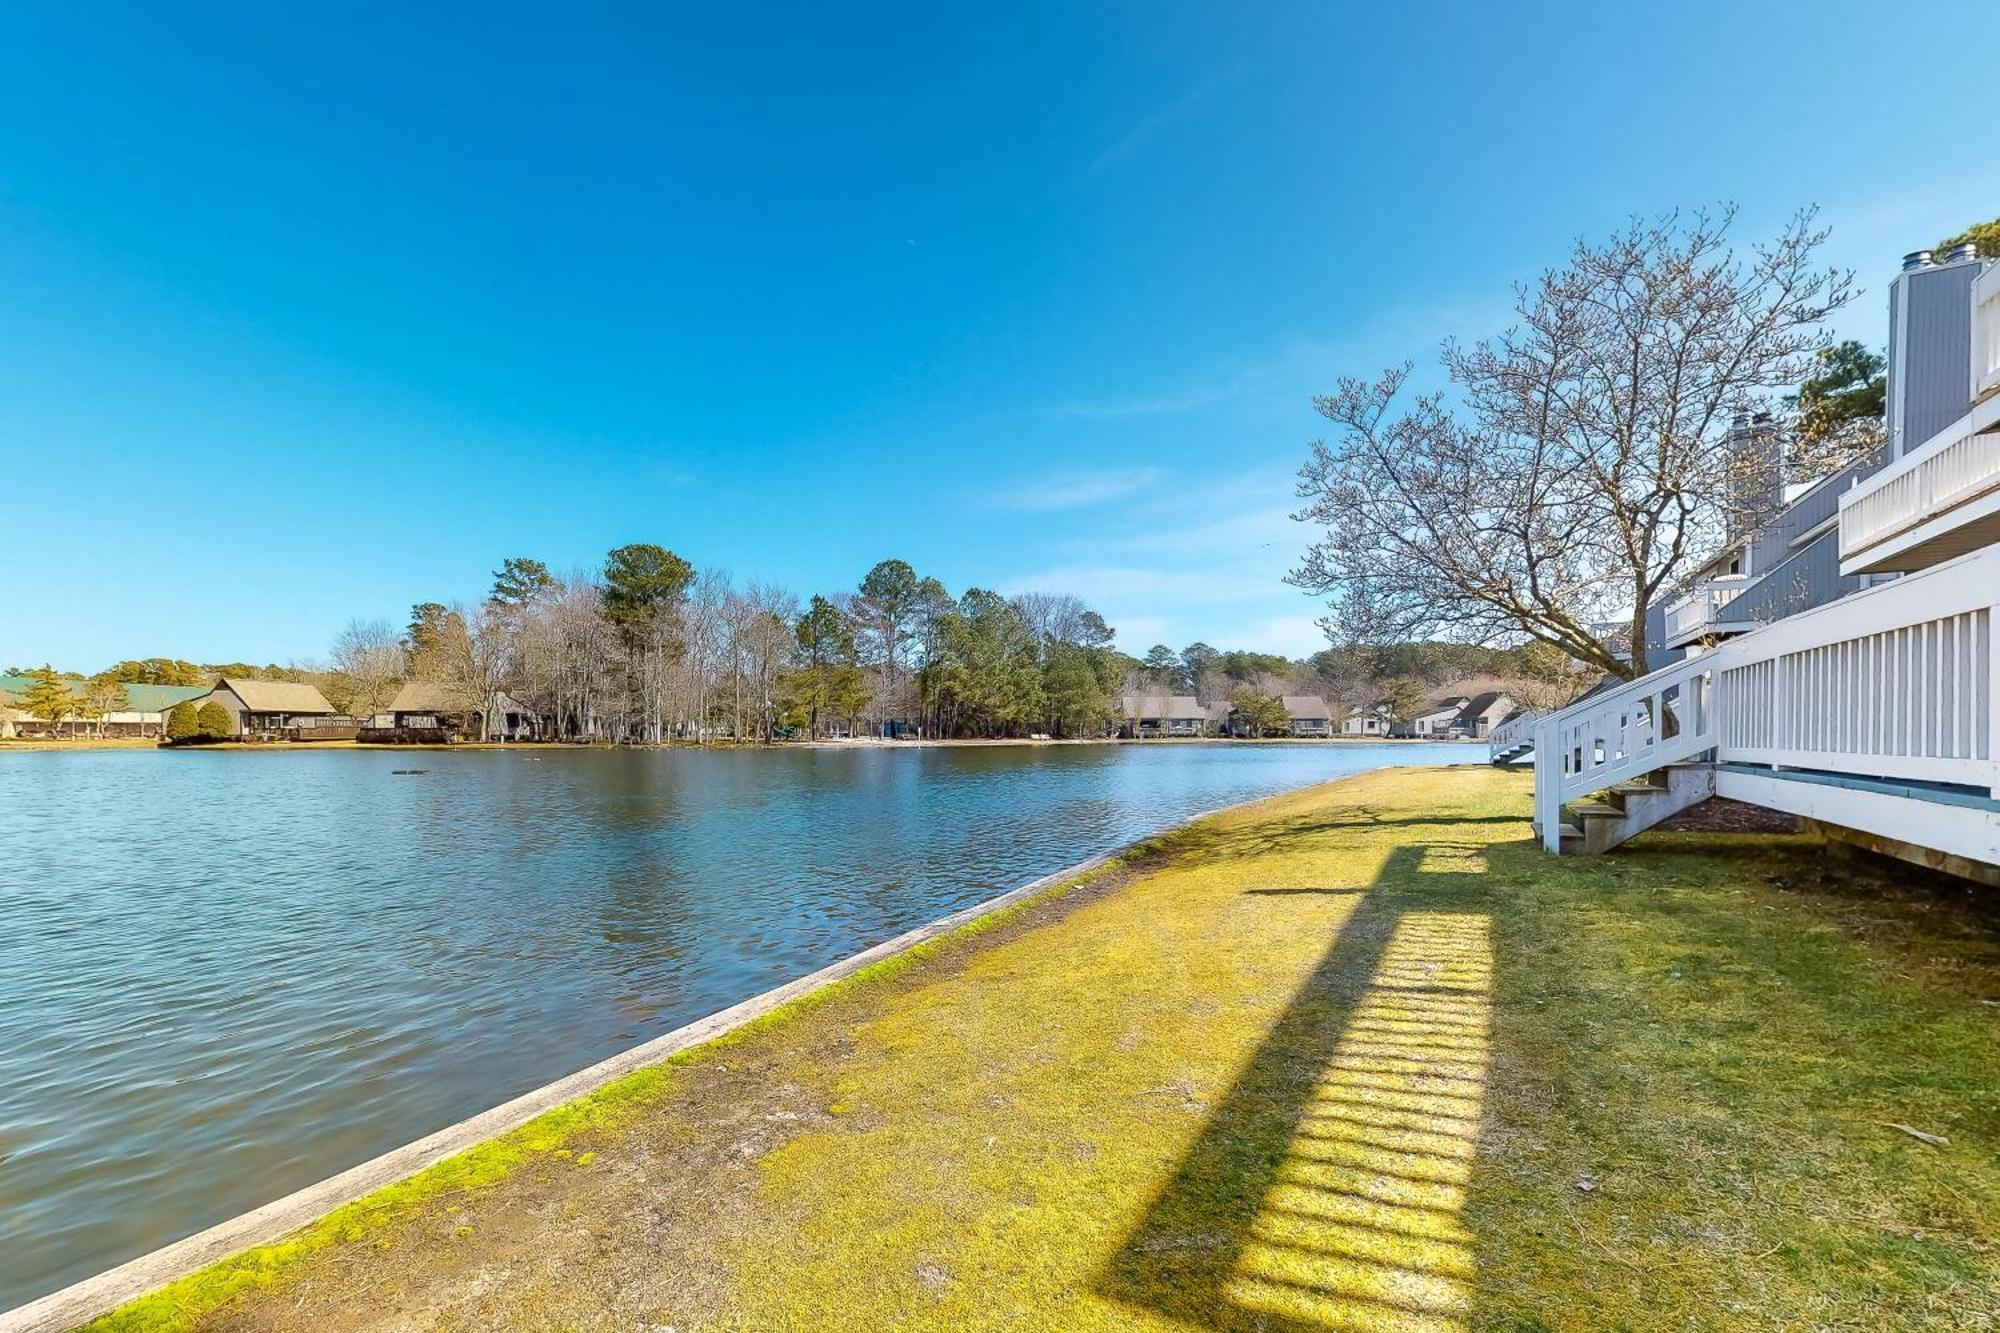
x=1303 y=366
x=1151 y=406
x=1207 y=563
x=1294 y=636
x=1079 y=490
x=1148 y=127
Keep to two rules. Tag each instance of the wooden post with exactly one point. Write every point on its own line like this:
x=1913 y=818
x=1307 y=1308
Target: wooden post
x=1992 y=682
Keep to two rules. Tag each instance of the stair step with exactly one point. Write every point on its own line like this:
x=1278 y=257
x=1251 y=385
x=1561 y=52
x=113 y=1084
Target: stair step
x=1595 y=810
x=1640 y=788
x=1568 y=831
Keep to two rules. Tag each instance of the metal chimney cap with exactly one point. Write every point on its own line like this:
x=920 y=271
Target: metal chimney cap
x=1970 y=250
x=1915 y=260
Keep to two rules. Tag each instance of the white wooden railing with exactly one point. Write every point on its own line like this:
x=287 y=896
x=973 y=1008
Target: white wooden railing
x=1511 y=735
x=1986 y=332
x=1644 y=724
x=1693 y=614
x=1959 y=463
x=1895 y=682
x=1899 y=682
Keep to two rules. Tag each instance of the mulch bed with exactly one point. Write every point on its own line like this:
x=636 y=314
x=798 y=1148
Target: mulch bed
x=1720 y=815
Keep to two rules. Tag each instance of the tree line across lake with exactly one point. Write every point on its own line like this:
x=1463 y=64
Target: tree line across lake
x=648 y=649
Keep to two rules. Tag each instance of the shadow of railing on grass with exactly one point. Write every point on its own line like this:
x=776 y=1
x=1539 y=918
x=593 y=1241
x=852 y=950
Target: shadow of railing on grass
x=1325 y=1192
x=1235 y=844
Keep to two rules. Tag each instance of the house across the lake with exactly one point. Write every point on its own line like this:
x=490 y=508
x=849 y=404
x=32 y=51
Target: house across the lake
x=268 y=707
x=1481 y=713
x=1460 y=717
x=1147 y=715
x=1438 y=716
x=426 y=710
x=1309 y=714
x=1371 y=720
x=140 y=712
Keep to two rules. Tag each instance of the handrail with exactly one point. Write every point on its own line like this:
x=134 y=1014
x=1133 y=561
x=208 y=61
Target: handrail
x=1644 y=724
x=1986 y=332
x=1960 y=460
x=1702 y=606
x=1898 y=682
x=1509 y=735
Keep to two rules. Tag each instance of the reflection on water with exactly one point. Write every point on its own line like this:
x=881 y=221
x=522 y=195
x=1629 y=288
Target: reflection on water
x=226 y=975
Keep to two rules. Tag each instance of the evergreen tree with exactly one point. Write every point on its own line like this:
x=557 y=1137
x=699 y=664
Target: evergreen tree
x=433 y=627
x=1196 y=658
x=213 y=722
x=641 y=581
x=1405 y=696
x=518 y=579
x=49 y=698
x=827 y=683
x=987 y=679
x=1258 y=714
x=1077 y=684
x=1839 y=410
x=1163 y=665
x=181 y=723
x=158 y=671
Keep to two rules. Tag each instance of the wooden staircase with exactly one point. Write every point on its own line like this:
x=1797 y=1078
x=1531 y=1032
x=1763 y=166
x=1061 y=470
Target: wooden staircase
x=1512 y=741
x=1598 y=823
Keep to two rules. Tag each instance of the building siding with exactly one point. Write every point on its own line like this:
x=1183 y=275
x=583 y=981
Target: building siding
x=1930 y=352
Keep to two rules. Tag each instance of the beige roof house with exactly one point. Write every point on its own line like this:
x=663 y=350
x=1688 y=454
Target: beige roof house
x=266 y=705
x=1162 y=706
x=427 y=696
x=426 y=705
x=278 y=696
x=1171 y=714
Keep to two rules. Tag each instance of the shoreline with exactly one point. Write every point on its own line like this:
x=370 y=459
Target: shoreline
x=94 y=1297
x=1339 y=1058
x=89 y=744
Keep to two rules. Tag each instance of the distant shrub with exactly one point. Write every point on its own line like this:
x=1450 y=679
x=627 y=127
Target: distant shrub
x=182 y=724
x=213 y=722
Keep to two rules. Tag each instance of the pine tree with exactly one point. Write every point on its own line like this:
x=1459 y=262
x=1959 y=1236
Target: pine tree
x=49 y=698
x=1259 y=714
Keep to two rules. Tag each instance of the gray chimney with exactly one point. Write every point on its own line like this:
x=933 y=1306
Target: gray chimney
x=1962 y=252
x=1930 y=348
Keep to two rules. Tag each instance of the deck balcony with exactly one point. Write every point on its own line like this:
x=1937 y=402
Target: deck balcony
x=1942 y=499
x=1986 y=334
x=1703 y=613
x=1934 y=504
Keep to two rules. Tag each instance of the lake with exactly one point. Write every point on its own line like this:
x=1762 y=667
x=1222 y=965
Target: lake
x=226 y=975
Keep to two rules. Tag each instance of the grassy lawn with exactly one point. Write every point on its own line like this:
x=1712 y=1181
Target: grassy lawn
x=1358 y=1058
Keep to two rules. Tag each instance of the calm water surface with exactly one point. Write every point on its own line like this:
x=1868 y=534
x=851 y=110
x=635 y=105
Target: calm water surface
x=224 y=976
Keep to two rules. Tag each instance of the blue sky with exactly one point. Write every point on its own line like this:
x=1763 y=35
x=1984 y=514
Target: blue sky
x=315 y=314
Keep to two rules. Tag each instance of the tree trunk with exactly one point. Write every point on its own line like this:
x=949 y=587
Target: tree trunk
x=1639 y=609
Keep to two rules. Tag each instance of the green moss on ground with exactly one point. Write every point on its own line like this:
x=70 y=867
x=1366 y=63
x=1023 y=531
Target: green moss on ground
x=1360 y=1057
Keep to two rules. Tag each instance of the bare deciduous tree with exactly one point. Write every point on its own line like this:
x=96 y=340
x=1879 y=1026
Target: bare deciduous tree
x=1582 y=466
x=370 y=654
